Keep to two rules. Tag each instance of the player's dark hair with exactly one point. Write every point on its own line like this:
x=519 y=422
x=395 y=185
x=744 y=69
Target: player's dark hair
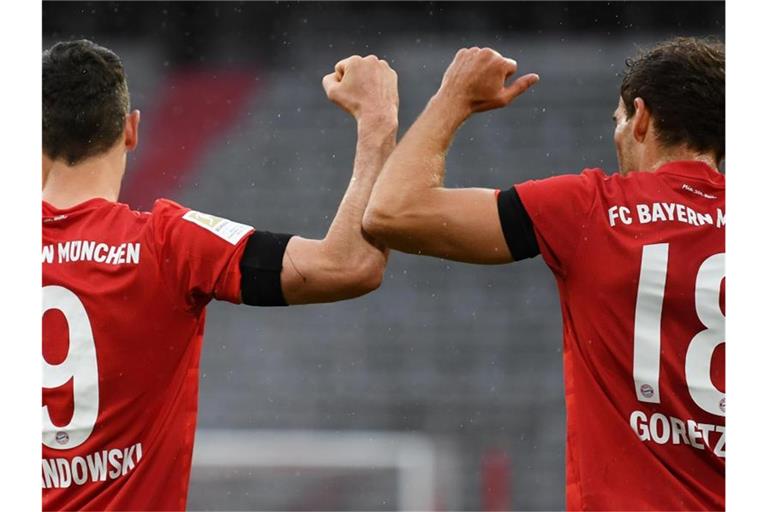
x=682 y=82
x=85 y=100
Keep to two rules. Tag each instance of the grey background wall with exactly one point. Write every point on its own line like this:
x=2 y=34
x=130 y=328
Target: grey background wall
x=468 y=355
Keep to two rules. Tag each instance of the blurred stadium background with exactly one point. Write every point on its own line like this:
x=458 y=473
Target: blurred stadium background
x=442 y=390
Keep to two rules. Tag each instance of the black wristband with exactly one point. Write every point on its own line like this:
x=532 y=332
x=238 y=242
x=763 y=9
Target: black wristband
x=517 y=226
x=260 y=267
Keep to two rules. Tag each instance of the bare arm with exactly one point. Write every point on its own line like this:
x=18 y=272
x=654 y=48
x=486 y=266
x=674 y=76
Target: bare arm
x=348 y=263
x=410 y=210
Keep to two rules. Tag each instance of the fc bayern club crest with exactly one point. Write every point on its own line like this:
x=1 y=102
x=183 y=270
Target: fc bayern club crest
x=646 y=390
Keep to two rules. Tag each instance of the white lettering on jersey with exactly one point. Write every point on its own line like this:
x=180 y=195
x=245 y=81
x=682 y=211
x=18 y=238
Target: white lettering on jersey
x=663 y=429
x=79 y=471
x=78 y=367
x=47 y=254
x=619 y=212
x=62 y=472
x=50 y=473
x=65 y=475
x=114 y=461
x=115 y=252
x=664 y=212
x=698 y=192
x=87 y=252
x=643 y=213
x=132 y=253
x=97 y=465
x=84 y=250
x=99 y=253
x=226 y=229
x=63 y=252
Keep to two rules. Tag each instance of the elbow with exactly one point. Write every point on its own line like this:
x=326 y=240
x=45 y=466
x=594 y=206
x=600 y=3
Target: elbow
x=366 y=276
x=371 y=279
x=370 y=274
x=380 y=223
x=346 y=275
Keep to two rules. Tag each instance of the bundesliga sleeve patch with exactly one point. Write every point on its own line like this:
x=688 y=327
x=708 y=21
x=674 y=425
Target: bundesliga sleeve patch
x=230 y=231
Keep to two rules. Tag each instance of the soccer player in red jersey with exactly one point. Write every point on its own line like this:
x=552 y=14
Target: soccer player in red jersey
x=638 y=257
x=124 y=292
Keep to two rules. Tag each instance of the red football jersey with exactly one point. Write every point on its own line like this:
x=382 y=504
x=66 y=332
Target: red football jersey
x=640 y=266
x=124 y=297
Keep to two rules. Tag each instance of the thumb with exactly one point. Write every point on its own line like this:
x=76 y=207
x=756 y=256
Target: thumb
x=330 y=81
x=518 y=87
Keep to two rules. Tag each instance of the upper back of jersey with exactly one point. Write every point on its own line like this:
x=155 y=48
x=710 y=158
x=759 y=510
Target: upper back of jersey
x=640 y=266
x=124 y=297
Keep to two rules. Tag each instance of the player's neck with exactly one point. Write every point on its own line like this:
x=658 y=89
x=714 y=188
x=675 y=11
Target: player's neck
x=657 y=159
x=65 y=186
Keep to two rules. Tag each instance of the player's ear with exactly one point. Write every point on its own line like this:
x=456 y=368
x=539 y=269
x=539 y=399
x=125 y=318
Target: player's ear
x=641 y=120
x=132 y=130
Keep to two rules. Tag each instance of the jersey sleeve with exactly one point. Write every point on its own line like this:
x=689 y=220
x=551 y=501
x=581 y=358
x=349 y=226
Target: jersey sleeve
x=559 y=209
x=198 y=254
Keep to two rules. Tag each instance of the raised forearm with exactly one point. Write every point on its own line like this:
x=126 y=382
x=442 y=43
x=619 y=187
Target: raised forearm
x=410 y=210
x=346 y=239
x=347 y=263
x=418 y=162
x=415 y=168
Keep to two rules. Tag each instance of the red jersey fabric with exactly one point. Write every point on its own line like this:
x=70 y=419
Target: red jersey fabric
x=124 y=297
x=639 y=263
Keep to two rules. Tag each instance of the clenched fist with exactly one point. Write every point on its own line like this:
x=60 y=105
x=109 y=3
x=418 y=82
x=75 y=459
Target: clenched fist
x=475 y=80
x=366 y=87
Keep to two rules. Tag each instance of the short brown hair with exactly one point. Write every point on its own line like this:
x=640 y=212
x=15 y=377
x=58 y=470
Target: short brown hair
x=682 y=82
x=85 y=100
